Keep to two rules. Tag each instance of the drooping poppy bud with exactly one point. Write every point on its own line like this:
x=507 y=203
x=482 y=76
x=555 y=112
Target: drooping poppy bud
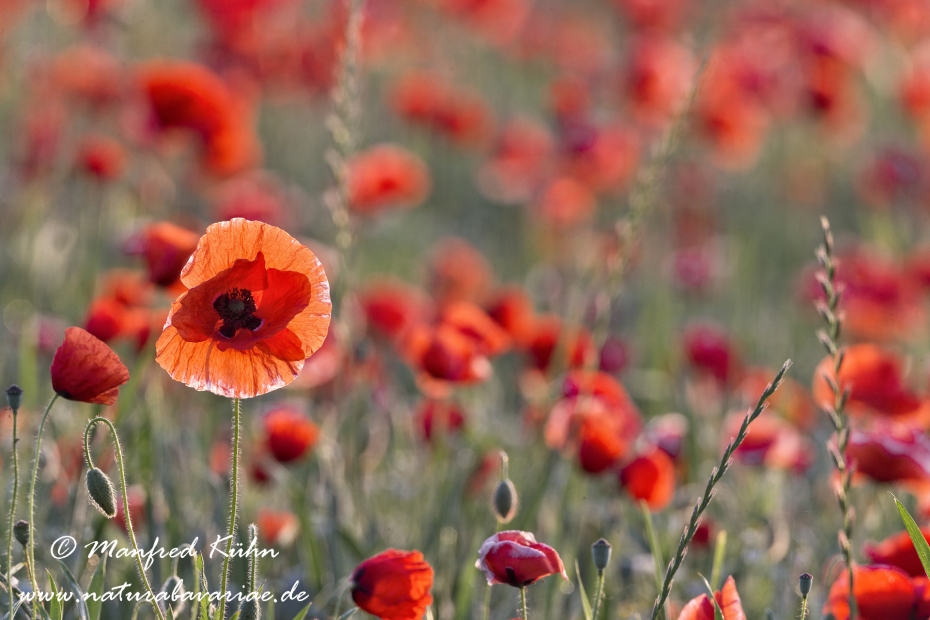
x=21 y=532
x=101 y=492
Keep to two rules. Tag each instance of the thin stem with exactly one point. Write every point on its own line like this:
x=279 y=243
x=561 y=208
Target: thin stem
x=487 y=602
x=127 y=516
x=523 y=600
x=599 y=594
x=9 y=532
x=803 y=608
x=715 y=478
x=31 y=555
x=233 y=504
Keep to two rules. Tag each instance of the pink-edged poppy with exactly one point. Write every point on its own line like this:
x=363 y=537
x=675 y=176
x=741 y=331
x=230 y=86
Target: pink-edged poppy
x=516 y=559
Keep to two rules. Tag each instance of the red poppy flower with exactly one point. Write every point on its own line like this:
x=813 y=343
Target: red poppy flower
x=658 y=77
x=101 y=157
x=874 y=377
x=603 y=158
x=257 y=306
x=393 y=585
x=438 y=417
x=565 y=202
x=386 y=176
x=710 y=350
x=458 y=272
x=278 y=527
x=891 y=454
x=86 y=370
x=881 y=593
x=516 y=559
x=392 y=307
x=520 y=164
x=166 y=248
x=257 y=196
x=650 y=477
x=897 y=550
x=702 y=608
x=89 y=75
x=546 y=332
x=772 y=442
x=512 y=309
x=289 y=433
x=791 y=402
x=443 y=356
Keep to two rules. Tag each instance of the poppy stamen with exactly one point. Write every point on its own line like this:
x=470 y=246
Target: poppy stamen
x=237 y=309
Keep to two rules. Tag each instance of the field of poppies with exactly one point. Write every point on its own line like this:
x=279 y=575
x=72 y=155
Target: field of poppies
x=465 y=309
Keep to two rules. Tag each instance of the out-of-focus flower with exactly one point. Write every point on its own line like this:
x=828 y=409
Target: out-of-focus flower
x=289 y=433
x=702 y=607
x=278 y=527
x=101 y=157
x=653 y=14
x=880 y=301
x=772 y=442
x=874 y=376
x=894 y=176
x=258 y=196
x=392 y=307
x=897 y=550
x=516 y=559
x=188 y=96
x=667 y=433
x=89 y=75
x=499 y=21
x=604 y=157
x=650 y=477
x=121 y=309
x=881 y=593
x=546 y=332
x=443 y=356
x=512 y=309
x=393 y=585
x=437 y=417
x=657 y=78
x=520 y=163
x=458 y=272
x=86 y=370
x=791 y=401
x=709 y=350
x=565 y=202
x=257 y=306
x=891 y=454
x=459 y=114
x=166 y=248
x=386 y=176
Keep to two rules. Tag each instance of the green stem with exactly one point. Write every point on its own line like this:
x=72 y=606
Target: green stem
x=523 y=600
x=487 y=602
x=233 y=503
x=803 y=608
x=127 y=516
x=9 y=532
x=599 y=594
x=31 y=555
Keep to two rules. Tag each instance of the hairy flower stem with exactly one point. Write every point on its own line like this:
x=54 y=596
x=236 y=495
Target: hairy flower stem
x=599 y=594
x=127 y=516
x=803 y=614
x=9 y=532
x=830 y=339
x=715 y=477
x=523 y=601
x=31 y=555
x=233 y=503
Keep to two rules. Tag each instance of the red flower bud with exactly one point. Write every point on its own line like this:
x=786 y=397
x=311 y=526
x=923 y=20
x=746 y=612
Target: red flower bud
x=393 y=585
x=86 y=370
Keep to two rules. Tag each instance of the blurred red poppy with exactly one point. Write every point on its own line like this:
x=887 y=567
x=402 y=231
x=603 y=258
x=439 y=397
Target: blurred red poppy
x=458 y=272
x=257 y=306
x=546 y=332
x=391 y=307
x=256 y=196
x=393 y=585
x=650 y=477
x=891 y=453
x=565 y=202
x=101 y=157
x=516 y=559
x=289 y=433
x=386 y=176
x=875 y=380
x=512 y=309
x=702 y=608
x=86 y=370
x=710 y=350
x=166 y=247
x=881 y=593
x=436 y=417
x=278 y=527
x=657 y=78
x=521 y=161
x=897 y=550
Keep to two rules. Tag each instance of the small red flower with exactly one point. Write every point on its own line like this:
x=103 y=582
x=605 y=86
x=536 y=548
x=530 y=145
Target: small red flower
x=278 y=527
x=101 y=157
x=386 y=176
x=166 y=248
x=702 y=608
x=435 y=417
x=898 y=550
x=710 y=350
x=516 y=559
x=650 y=477
x=881 y=593
x=289 y=433
x=393 y=585
x=86 y=370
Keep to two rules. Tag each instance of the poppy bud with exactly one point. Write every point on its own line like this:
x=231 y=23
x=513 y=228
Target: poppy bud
x=249 y=609
x=21 y=532
x=101 y=491
x=14 y=397
x=505 y=501
x=806 y=580
x=600 y=551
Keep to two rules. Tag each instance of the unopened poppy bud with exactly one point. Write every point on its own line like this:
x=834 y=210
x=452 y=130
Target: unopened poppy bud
x=14 y=397
x=806 y=580
x=21 y=532
x=505 y=501
x=249 y=609
x=101 y=491
x=600 y=552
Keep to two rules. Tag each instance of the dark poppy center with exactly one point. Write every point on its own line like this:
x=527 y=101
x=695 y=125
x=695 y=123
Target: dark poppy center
x=237 y=309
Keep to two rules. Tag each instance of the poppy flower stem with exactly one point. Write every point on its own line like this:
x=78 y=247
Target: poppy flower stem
x=31 y=555
x=127 y=516
x=233 y=502
x=715 y=477
x=9 y=531
x=523 y=601
x=599 y=594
